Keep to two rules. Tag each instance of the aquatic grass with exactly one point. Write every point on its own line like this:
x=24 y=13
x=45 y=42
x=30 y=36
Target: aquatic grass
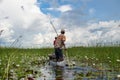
x=13 y=58
x=101 y=55
x=25 y=61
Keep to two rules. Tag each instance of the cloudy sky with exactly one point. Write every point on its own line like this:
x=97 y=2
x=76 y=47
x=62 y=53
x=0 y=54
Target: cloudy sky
x=26 y=23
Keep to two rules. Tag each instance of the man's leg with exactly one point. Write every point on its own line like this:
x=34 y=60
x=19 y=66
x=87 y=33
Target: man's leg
x=60 y=54
x=57 y=54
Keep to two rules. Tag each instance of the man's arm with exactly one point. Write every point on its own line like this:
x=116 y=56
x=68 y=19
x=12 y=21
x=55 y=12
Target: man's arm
x=63 y=43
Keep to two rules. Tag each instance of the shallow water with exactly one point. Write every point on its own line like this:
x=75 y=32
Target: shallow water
x=75 y=73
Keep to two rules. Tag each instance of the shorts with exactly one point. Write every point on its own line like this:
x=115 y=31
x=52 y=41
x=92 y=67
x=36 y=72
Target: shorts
x=58 y=54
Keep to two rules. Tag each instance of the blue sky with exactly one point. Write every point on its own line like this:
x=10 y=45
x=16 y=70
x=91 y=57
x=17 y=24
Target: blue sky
x=100 y=9
x=106 y=9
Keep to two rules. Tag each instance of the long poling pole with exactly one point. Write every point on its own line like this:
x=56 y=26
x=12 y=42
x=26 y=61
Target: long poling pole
x=54 y=27
x=67 y=57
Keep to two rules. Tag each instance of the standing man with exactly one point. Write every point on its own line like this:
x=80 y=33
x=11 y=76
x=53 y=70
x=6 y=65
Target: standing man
x=59 y=45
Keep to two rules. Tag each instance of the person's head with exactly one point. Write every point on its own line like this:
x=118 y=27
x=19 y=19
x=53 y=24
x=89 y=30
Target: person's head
x=62 y=31
x=55 y=37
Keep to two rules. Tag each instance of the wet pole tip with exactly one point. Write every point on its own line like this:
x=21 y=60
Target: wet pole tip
x=66 y=65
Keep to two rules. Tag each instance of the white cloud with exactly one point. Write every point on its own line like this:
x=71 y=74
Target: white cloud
x=38 y=39
x=94 y=33
x=24 y=18
x=7 y=31
x=92 y=11
x=63 y=8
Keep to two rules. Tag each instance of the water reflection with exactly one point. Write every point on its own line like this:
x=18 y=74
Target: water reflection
x=63 y=73
x=59 y=72
x=75 y=73
x=56 y=73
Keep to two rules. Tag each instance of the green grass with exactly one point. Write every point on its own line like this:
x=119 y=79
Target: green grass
x=21 y=60
x=109 y=55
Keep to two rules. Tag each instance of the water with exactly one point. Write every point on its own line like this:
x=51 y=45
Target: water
x=56 y=73
x=73 y=73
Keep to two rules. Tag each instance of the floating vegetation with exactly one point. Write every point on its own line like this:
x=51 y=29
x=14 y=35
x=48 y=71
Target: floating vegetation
x=86 y=63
